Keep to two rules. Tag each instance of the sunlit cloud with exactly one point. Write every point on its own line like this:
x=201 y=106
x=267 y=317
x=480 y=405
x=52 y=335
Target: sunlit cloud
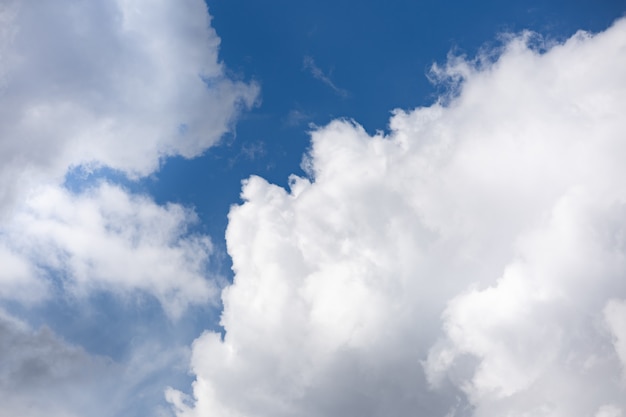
x=470 y=262
x=121 y=84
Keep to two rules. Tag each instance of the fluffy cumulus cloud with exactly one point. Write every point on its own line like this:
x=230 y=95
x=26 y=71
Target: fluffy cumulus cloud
x=471 y=262
x=119 y=83
x=116 y=84
x=108 y=239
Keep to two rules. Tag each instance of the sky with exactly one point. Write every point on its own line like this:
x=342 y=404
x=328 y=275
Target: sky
x=242 y=208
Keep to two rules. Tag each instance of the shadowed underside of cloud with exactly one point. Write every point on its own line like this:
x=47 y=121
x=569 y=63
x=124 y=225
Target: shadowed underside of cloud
x=471 y=262
x=39 y=373
x=42 y=375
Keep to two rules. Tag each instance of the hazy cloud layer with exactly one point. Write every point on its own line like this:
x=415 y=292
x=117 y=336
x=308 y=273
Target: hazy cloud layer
x=471 y=262
x=42 y=375
x=117 y=83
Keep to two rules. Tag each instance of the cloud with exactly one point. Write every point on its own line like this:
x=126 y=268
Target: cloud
x=116 y=84
x=537 y=330
x=470 y=262
x=41 y=374
x=615 y=316
x=296 y=117
x=308 y=63
x=121 y=84
x=108 y=239
x=19 y=278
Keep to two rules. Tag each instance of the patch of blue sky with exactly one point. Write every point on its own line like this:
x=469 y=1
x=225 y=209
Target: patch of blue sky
x=378 y=53
x=113 y=325
x=81 y=178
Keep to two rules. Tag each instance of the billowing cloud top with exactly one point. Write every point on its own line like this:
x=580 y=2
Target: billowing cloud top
x=470 y=262
x=118 y=83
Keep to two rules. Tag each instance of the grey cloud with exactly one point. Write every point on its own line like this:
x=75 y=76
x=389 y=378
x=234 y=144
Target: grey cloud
x=43 y=375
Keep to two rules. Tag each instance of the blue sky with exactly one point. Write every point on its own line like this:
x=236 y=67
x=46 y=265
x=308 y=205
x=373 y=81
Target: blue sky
x=238 y=208
x=379 y=54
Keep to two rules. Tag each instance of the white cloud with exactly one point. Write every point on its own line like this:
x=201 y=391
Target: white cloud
x=609 y=411
x=537 y=330
x=119 y=83
x=615 y=316
x=19 y=279
x=461 y=265
x=108 y=239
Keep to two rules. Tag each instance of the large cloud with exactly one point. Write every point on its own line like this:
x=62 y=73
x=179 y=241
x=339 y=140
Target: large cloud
x=119 y=83
x=470 y=262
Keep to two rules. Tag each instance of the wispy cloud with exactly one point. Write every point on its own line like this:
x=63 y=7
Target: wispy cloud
x=308 y=63
x=296 y=117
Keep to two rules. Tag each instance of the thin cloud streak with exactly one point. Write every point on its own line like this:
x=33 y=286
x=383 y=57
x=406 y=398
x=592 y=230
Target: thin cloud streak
x=308 y=63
